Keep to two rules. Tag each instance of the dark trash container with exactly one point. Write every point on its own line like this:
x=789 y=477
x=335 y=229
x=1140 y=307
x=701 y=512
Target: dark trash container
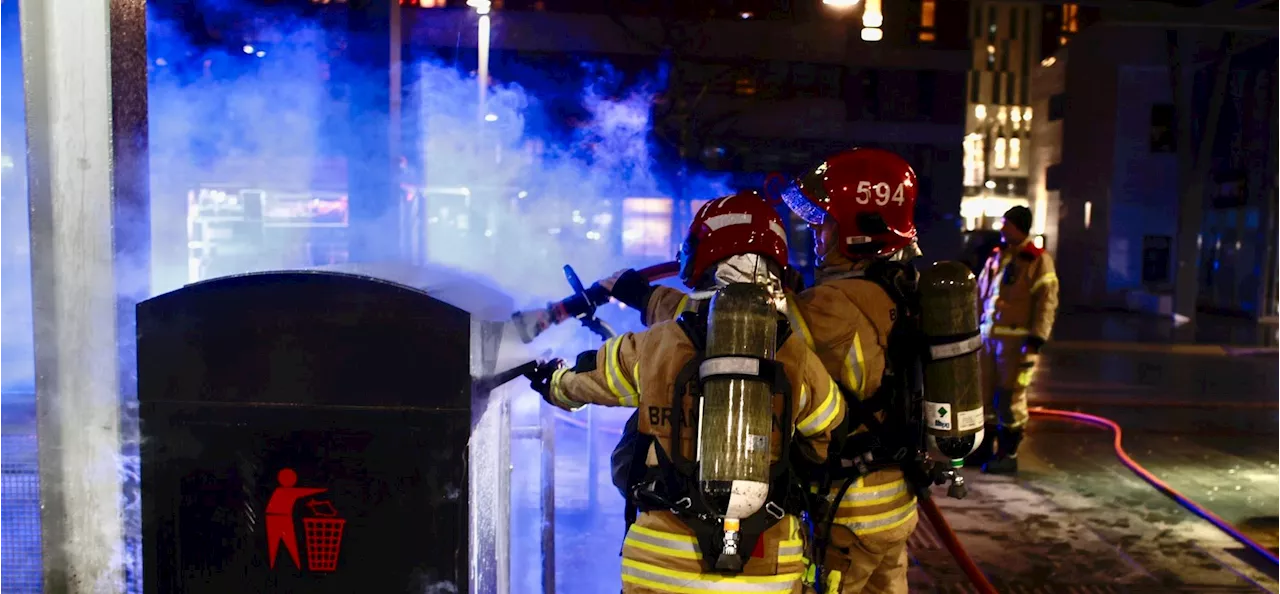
x=307 y=432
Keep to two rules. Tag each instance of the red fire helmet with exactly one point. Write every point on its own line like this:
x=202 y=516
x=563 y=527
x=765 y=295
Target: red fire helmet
x=743 y=223
x=870 y=193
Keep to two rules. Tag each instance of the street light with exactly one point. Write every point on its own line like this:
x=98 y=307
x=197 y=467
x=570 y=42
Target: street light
x=482 y=47
x=872 y=20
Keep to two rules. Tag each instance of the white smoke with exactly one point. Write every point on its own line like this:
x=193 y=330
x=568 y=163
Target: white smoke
x=544 y=198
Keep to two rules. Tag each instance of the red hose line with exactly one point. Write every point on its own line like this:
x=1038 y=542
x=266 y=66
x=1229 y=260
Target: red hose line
x=1160 y=485
x=952 y=542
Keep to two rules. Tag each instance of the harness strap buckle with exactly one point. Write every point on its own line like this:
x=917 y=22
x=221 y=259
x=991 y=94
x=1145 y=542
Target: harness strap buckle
x=774 y=510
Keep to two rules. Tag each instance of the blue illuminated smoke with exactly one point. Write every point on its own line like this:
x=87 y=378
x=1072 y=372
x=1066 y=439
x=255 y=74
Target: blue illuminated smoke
x=256 y=111
x=508 y=193
x=16 y=359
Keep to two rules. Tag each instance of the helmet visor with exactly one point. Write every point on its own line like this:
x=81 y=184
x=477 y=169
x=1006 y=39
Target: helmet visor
x=800 y=204
x=684 y=258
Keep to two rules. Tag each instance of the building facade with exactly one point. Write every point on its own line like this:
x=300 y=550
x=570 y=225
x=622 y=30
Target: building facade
x=1008 y=40
x=753 y=90
x=1106 y=170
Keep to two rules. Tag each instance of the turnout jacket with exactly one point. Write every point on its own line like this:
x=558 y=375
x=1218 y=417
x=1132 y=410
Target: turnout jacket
x=1018 y=293
x=639 y=370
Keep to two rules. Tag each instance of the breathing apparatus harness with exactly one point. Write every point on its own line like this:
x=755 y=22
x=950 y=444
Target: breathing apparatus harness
x=672 y=485
x=896 y=441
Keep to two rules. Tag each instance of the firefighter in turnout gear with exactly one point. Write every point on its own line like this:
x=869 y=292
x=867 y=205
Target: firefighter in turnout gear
x=1018 y=300
x=679 y=538
x=859 y=204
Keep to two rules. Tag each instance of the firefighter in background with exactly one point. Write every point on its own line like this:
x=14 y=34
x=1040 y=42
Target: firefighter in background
x=860 y=205
x=738 y=239
x=1018 y=299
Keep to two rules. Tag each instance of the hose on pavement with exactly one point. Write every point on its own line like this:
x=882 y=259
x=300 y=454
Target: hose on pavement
x=1146 y=475
x=952 y=542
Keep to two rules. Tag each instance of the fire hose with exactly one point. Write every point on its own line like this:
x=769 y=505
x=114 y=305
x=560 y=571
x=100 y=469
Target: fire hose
x=1154 y=481
x=582 y=306
x=931 y=511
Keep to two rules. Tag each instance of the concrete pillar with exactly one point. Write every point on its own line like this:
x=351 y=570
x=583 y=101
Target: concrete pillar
x=87 y=180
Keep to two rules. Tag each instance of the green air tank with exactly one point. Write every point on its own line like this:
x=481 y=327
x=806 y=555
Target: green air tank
x=953 y=415
x=736 y=421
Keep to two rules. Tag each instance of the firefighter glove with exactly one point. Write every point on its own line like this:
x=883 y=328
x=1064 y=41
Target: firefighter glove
x=540 y=377
x=632 y=289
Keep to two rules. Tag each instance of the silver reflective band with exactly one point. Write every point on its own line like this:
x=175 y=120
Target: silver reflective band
x=729 y=365
x=955 y=349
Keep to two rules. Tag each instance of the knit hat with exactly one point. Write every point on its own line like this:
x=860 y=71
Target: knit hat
x=1019 y=217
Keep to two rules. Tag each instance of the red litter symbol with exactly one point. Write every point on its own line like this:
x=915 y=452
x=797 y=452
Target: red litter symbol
x=324 y=536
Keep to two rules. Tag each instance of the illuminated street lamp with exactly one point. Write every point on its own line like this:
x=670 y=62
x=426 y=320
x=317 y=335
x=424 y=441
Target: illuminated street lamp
x=872 y=20
x=482 y=46
x=872 y=17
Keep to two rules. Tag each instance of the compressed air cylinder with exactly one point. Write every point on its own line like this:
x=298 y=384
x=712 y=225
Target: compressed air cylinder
x=736 y=420
x=953 y=415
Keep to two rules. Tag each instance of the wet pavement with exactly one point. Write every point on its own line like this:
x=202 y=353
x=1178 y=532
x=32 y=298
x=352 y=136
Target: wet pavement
x=1076 y=520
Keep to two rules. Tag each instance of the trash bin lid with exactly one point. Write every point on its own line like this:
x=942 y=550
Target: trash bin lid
x=463 y=290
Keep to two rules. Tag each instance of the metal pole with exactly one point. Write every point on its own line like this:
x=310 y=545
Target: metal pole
x=482 y=43
x=131 y=232
x=86 y=142
x=592 y=467
x=1193 y=163
x=502 y=540
x=547 y=421
x=1267 y=280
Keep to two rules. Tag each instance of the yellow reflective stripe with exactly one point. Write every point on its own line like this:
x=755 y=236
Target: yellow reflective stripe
x=868 y=496
x=798 y=323
x=671 y=536
x=824 y=415
x=804 y=396
x=557 y=389
x=871 y=524
x=685 y=582
x=1024 y=377
x=790 y=551
x=834 y=581
x=1044 y=280
x=558 y=393
x=684 y=302
x=662 y=543
x=853 y=362
x=1009 y=331
x=618 y=384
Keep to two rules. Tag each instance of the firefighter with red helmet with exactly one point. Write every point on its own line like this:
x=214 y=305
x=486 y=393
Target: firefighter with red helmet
x=1018 y=300
x=859 y=204
x=697 y=530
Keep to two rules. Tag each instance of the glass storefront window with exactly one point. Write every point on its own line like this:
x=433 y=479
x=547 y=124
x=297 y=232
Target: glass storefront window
x=646 y=227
